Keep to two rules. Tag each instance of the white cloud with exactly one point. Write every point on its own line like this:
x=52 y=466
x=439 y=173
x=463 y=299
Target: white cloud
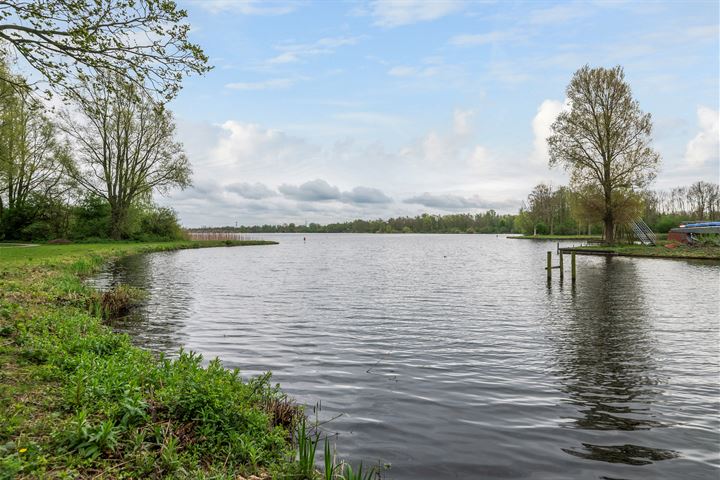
x=287 y=57
x=253 y=191
x=479 y=158
x=476 y=39
x=561 y=13
x=461 y=121
x=441 y=149
x=407 y=71
x=705 y=146
x=294 y=52
x=366 y=195
x=312 y=191
x=450 y=202
x=248 y=7
x=371 y=118
x=394 y=13
x=253 y=153
x=255 y=175
x=321 y=191
x=262 y=85
x=541 y=125
x=402 y=71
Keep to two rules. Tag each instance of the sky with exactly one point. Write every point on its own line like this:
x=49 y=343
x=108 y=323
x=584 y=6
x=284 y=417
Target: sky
x=326 y=111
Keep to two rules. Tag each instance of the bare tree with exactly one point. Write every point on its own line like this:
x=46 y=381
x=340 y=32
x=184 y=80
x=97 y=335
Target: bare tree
x=125 y=146
x=604 y=139
x=142 y=41
x=703 y=196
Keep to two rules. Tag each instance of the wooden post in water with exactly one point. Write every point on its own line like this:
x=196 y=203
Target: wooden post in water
x=562 y=269
x=549 y=265
x=572 y=266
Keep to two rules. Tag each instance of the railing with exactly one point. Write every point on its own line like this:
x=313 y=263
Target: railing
x=643 y=232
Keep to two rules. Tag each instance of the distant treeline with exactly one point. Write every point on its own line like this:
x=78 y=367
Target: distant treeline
x=488 y=222
x=548 y=210
x=566 y=211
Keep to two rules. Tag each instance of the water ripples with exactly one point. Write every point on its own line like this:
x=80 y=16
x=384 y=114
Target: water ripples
x=448 y=356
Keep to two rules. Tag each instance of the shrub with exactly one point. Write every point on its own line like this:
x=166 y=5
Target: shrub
x=159 y=223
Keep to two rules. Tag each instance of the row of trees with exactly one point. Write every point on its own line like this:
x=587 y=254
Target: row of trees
x=488 y=222
x=111 y=143
x=563 y=211
x=91 y=168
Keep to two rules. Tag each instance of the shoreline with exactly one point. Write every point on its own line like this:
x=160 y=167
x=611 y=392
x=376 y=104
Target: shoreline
x=642 y=251
x=79 y=400
x=555 y=237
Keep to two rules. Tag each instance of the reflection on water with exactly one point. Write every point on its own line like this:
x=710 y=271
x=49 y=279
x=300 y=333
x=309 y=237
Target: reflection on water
x=158 y=323
x=450 y=357
x=628 y=454
x=606 y=360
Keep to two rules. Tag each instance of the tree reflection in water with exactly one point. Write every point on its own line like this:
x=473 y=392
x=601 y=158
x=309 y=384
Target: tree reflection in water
x=158 y=323
x=606 y=362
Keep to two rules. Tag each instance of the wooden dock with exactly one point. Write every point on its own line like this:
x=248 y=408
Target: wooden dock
x=585 y=251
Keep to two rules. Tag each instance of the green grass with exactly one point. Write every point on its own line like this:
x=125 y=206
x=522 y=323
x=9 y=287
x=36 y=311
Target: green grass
x=79 y=401
x=660 y=251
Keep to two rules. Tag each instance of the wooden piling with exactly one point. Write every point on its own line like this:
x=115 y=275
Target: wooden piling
x=572 y=266
x=549 y=265
x=562 y=269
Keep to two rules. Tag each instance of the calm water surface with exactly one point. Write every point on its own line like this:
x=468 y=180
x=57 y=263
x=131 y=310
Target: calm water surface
x=449 y=356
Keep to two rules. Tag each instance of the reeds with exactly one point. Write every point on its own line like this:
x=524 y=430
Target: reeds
x=307 y=441
x=203 y=236
x=117 y=302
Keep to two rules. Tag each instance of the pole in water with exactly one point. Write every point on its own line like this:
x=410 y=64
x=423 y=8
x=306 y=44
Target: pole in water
x=549 y=265
x=562 y=270
x=572 y=266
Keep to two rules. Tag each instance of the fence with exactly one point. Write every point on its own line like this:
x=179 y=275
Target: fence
x=217 y=236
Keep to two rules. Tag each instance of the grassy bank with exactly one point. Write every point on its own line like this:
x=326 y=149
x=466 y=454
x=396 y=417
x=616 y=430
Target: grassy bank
x=555 y=237
x=79 y=401
x=660 y=251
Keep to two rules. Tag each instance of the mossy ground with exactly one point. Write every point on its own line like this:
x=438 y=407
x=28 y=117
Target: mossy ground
x=79 y=401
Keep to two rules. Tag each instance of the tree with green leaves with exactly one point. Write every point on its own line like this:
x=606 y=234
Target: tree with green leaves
x=603 y=140
x=145 y=42
x=125 y=146
x=33 y=159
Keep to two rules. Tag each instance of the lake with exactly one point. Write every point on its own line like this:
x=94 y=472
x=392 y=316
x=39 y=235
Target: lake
x=450 y=356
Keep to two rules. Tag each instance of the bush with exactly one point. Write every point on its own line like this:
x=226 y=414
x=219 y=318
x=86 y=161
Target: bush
x=91 y=219
x=159 y=223
x=666 y=222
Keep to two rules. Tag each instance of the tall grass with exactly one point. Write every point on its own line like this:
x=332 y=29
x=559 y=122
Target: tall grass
x=307 y=446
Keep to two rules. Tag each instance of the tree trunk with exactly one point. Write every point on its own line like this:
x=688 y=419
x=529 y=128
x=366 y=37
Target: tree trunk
x=117 y=222
x=608 y=218
x=609 y=226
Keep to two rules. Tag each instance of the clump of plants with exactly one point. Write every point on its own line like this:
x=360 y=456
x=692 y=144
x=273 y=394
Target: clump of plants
x=118 y=301
x=307 y=439
x=707 y=240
